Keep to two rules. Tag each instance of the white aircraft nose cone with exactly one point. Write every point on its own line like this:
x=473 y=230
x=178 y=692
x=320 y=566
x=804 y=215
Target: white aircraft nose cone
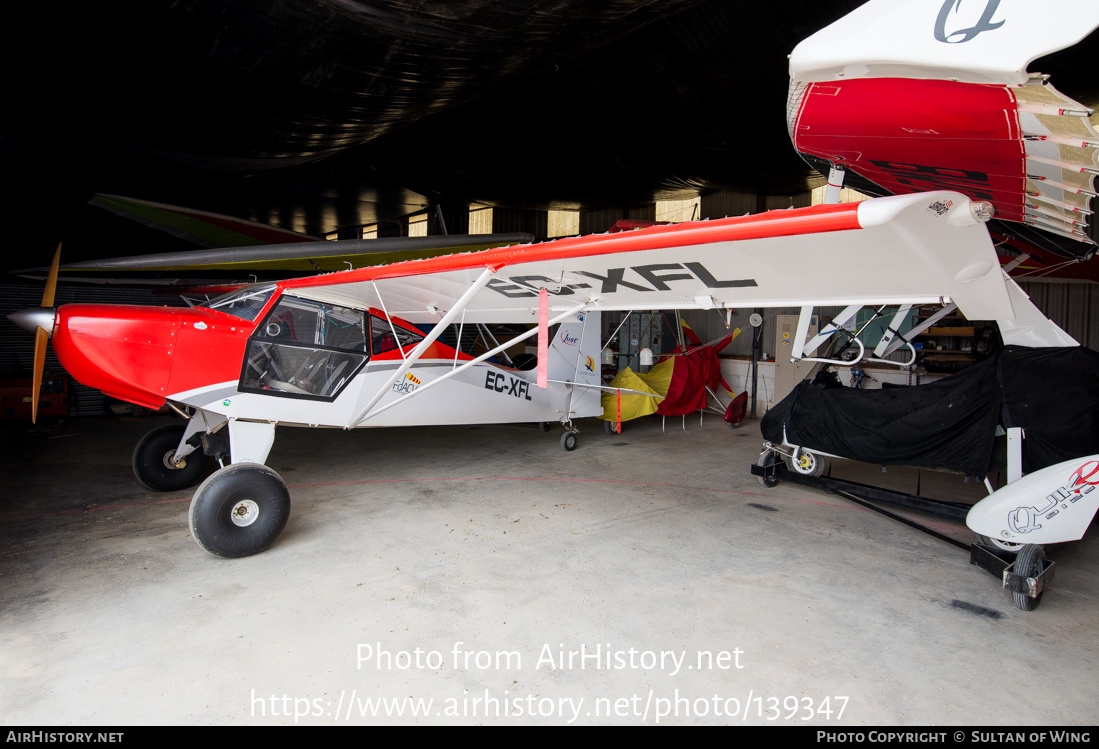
x=34 y=317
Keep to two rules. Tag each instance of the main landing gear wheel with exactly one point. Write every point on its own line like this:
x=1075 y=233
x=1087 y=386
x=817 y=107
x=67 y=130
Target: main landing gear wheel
x=153 y=464
x=543 y=426
x=1030 y=562
x=610 y=427
x=568 y=441
x=767 y=460
x=240 y=510
x=807 y=464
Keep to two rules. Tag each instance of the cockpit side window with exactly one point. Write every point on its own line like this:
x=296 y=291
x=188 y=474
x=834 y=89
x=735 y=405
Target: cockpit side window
x=385 y=337
x=305 y=349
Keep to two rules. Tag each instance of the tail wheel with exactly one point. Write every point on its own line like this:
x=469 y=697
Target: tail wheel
x=240 y=510
x=153 y=465
x=1030 y=562
x=568 y=441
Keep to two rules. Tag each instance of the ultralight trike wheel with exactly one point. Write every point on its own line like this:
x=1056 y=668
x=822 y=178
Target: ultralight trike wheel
x=807 y=464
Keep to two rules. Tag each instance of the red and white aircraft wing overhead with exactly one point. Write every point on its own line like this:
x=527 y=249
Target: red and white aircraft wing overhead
x=916 y=248
x=916 y=95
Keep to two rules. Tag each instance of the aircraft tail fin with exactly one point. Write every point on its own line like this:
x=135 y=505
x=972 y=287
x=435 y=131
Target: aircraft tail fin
x=574 y=349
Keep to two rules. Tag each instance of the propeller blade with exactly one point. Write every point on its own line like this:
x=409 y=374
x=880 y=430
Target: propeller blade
x=41 y=337
x=51 y=279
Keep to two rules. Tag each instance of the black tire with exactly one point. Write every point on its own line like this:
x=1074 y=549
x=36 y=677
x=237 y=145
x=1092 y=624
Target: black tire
x=807 y=464
x=543 y=426
x=239 y=510
x=610 y=427
x=152 y=461
x=766 y=460
x=1030 y=562
x=568 y=441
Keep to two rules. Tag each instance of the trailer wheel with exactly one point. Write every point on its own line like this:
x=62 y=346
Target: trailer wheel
x=767 y=460
x=1030 y=562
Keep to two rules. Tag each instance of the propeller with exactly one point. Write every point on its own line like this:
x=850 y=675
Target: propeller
x=40 y=320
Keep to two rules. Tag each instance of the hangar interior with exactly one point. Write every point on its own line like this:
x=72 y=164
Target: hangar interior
x=476 y=573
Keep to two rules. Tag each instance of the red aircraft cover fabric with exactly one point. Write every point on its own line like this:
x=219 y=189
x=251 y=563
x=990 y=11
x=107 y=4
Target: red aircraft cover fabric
x=693 y=372
x=886 y=128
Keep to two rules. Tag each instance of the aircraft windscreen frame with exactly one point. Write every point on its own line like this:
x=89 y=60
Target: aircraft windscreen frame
x=305 y=349
x=246 y=302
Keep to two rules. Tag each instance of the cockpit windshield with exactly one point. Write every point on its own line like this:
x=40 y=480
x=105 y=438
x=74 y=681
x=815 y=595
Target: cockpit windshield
x=246 y=302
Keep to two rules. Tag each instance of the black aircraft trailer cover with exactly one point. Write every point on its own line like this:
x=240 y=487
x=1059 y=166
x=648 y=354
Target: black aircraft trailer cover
x=1053 y=393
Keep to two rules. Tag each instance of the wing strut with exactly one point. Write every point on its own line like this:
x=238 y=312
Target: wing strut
x=388 y=319
x=423 y=345
x=366 y=413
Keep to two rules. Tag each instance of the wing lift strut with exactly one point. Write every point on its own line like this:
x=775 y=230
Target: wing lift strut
x=369 y=411
x=371 y=408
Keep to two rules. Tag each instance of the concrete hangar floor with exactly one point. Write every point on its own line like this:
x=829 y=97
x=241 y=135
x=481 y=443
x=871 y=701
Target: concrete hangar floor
x=481 y=575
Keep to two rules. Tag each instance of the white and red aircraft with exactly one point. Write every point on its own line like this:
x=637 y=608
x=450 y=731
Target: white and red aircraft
x=343 y=349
